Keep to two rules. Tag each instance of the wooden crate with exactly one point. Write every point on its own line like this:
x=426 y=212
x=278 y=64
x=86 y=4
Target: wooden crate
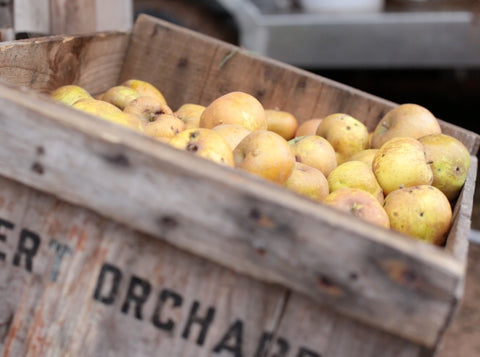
x=113 y=244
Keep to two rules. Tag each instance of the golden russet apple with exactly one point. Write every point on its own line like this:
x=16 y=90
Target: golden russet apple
x=204 y=143
x=164 y=127
x=147 y=108
x=358 y=203
x=120 y=96
x=232 y=133
x=408 y=119
x=422 y=212
x=308 y=127
x=355 y=174
x=308 y=181
x=109 y=112
x=145 y=89
x=450 y=162
x=69 y=94
x=190 y=114
x=235 y=108
x=281 y=122
x=401 y=162
x=365 y=156
x=265 y=154
x=314 y=151
x=346 y=134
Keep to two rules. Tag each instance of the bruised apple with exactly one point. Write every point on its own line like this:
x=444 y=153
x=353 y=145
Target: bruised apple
x=235 y=108
x=164 y=127
x=422 y=212
x=358 y=203
x=205 y=143
x=308 y=181
x=408 y=119
x=265 y=154
x=147 y=108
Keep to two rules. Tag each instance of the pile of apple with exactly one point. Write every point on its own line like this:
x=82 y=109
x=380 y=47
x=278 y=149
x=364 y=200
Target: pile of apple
x=405 y=175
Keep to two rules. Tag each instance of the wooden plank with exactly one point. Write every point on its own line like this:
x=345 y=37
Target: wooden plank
x=73 y=283
x=229 y=217
x=44 y=64
x=73 y=16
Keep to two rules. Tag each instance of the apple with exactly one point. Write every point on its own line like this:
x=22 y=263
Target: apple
x=365 y=156
x=235 y=108
x=408 y=119
x=358 y=203
x=232 y=133
x=69 y=94
x=281 y=122
x=164 y=126
x=147 y=108
x=450 y=162
x=422 y=212
x=204 y=143
x=145 y=89
x=265 y=154
x=308 y=181
x=120 y=96
x=355 y=174
x=401 y=162
x=308 y=127
x=109 y=112
x=190 y=114
x=314 y=151
x=346 y=134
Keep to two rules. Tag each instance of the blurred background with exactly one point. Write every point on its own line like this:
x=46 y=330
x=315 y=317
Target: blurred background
x=421 y=51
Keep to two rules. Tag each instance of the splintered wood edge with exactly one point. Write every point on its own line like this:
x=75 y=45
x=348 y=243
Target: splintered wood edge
x=260 y=241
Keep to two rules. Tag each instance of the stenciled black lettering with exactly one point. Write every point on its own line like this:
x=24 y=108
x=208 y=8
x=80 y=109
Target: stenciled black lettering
x=232 y=340
x=164 y=296
x=138 y=291
x=204 y=322
x=304 y=352
x=281 y=350
x=108 y=283
x=27 y=246
x=3 y=238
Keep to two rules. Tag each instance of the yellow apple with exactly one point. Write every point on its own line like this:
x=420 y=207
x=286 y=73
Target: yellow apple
x=355 y=174
x=232 y=133
x=281 y=122
x=308 y=127
x=265 y=154
x=145 y=89
x=190 y=114
x=358 y=203
x=164 y=126
x=422 y=212
x=235 y=108
x=346 y=134
x=147 y=108
x=69 y=94
x=314 y=151
x=308 y=181
x=120 y=96
x=401 y=162
x=365 y=156
x=449 y=160
x=408 y=119
x=204 y=143
x=109 y=112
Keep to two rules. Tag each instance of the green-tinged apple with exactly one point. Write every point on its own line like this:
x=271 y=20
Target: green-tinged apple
x=422 y=212
x=120 y=96
x=69 y=94
x=401 y=162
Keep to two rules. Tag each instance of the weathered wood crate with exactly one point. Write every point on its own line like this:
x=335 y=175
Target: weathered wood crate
x=113 y=244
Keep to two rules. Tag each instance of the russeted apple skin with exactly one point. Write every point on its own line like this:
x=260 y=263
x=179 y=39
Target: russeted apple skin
x=401 y=162
x=235 y=108
x=422 y=212
x=265 y=154
x=407 y=119
x=450 y=162
x=358 y=203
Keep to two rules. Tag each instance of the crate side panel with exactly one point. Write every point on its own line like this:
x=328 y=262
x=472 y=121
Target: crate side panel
x=76 y=284
x=337 y=336
x=44 y=64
